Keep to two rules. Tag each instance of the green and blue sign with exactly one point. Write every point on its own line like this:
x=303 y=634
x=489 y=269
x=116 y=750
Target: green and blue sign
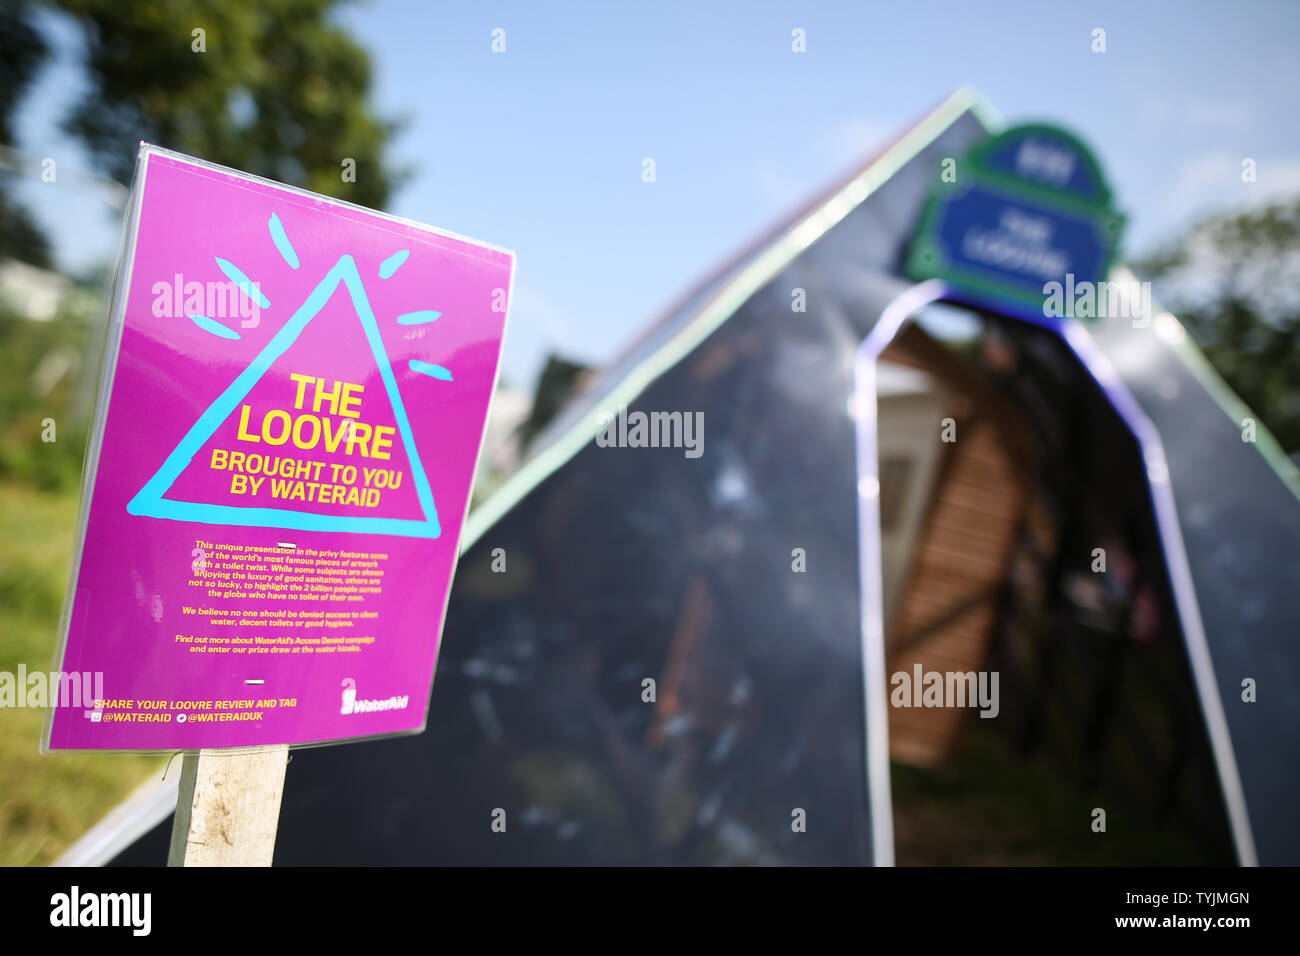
x=1024 y=209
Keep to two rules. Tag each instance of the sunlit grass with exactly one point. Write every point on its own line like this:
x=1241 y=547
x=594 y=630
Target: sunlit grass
x=45 y=802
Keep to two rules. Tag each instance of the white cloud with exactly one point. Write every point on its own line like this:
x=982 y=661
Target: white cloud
x=1196 y=113
x=537 y=326
x=1214 y=182
x=848 y=142
x=856 y=139
x=532 y=305
x=776 y=186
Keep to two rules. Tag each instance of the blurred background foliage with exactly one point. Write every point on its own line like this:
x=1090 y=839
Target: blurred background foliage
x=1234 y=282
x=46 y=368
x=273 y=88
x=21 y=51
x=277 y=90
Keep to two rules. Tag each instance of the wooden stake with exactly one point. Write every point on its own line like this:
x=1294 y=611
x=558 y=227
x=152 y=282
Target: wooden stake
x=228 y=807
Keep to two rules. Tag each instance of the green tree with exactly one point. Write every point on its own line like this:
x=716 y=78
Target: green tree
x=274 y=88
x=1234 y=282
x=20 y=237
x=42 y=413
x=21 y=52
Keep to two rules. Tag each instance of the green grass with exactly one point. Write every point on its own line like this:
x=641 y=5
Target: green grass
x=45 y=802
x=991 y=806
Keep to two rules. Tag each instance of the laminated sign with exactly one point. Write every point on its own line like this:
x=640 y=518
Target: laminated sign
x=1021 y=221
x=293 y=403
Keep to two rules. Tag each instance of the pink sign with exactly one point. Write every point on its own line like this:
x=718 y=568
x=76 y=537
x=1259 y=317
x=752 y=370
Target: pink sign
x=294 y=403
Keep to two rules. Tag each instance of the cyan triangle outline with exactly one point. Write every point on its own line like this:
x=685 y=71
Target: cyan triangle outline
x=149 y=501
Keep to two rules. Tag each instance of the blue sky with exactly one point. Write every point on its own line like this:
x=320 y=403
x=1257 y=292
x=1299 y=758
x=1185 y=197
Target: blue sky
x=539 y=149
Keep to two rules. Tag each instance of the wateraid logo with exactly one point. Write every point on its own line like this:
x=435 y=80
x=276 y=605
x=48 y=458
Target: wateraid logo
x=351 y=705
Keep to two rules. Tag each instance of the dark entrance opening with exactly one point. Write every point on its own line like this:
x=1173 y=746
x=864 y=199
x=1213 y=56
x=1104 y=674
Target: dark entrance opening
x=1018 y=538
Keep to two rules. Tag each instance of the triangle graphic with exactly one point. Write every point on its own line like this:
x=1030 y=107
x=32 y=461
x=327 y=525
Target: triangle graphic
x=149 y=501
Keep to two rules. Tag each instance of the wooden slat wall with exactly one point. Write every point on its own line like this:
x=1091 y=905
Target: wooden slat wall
x=961 y=562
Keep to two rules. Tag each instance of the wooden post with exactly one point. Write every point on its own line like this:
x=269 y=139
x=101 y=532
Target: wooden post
x=228 y=807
